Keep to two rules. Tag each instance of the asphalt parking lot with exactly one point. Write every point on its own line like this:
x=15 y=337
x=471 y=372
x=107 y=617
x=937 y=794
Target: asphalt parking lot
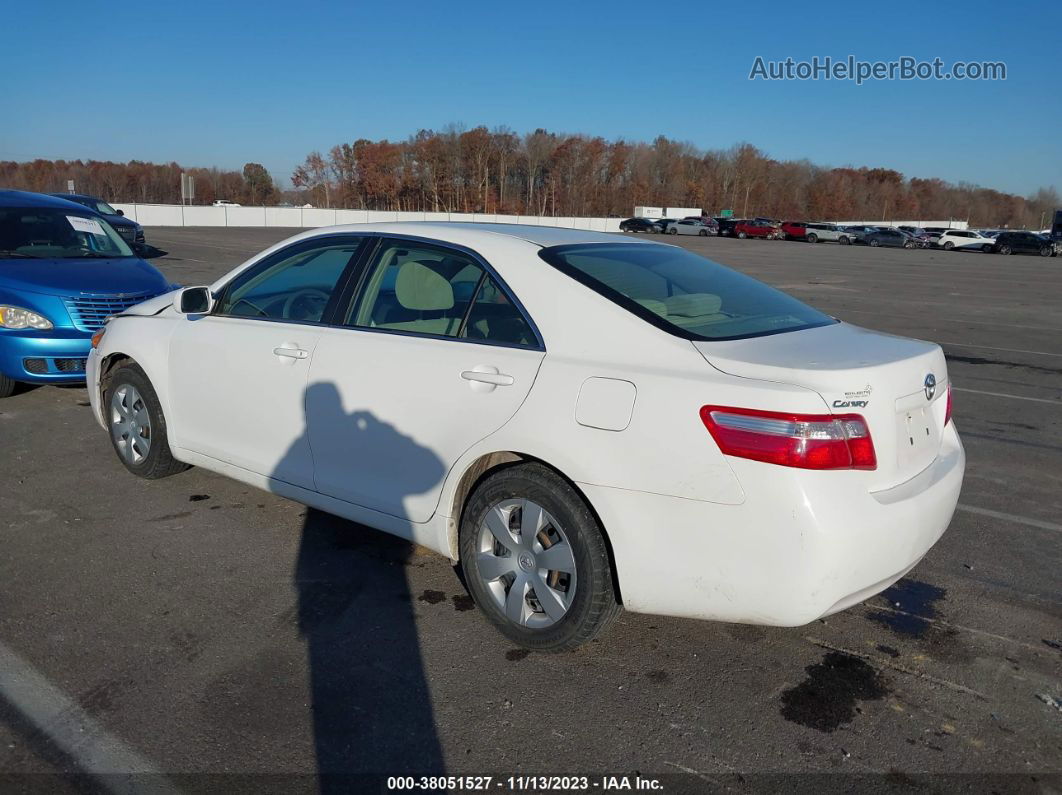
x=198 y=626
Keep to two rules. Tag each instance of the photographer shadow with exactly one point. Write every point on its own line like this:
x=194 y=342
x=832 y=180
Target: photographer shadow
x=371 y=704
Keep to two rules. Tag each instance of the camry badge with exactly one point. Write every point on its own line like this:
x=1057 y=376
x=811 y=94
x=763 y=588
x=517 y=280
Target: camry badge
x=930 y=386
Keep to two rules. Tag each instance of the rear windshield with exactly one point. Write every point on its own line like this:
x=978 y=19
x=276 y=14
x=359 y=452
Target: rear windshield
x=682 y=293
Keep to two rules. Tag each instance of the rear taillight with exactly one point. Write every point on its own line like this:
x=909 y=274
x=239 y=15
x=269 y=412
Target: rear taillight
x=947 y=407
x=807 y=441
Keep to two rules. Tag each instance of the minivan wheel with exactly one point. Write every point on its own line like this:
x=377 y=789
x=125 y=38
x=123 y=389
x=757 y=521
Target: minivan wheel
x=7 y=386
x=812 y=238
x=138 y=428
x=535 y=559
x=948 y=245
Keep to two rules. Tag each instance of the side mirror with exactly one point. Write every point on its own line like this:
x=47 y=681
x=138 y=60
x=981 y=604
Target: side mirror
x=121 y=212
x=194 y=301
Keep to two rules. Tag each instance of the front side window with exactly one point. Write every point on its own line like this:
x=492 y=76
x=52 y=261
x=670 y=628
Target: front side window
x=418 y=288
x=682 y=293
x=49 y=233
x=295 y=285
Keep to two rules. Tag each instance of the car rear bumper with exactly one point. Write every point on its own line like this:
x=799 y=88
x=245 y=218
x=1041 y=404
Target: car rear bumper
x=803 y=544
x=50 y=357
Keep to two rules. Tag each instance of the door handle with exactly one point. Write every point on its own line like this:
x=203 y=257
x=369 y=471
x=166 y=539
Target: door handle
x=494 y=379
x=291 y=353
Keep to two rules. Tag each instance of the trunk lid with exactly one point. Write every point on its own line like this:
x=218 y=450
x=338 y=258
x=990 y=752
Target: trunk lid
x=856 y=371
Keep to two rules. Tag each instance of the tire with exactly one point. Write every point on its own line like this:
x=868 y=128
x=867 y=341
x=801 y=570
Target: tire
x=742 y=235
x=703 y=233
x=948 y=245
x=908 y=244
x=1046 y=251
x=1004 y=249
x=812 y=238
x=129 y=402
x=844 y=241
x=672 y=231
x=874 y=243
x=7 y=386
x=986 y=249
x=567 y=521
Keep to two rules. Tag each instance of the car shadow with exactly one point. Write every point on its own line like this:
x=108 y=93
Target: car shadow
x=371 y=705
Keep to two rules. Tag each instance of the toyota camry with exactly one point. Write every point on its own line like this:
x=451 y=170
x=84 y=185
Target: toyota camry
x=579 y=420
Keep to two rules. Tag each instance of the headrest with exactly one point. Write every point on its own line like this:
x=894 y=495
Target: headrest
x=653 y=305
x=693 y=305
x=420 y=288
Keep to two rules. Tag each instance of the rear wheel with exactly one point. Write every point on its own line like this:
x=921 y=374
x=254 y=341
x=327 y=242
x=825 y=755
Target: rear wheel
x=672 y=231
x=535 y=560
x=138 y=428
x=812 y=238
x=703 y=233
x=874 y=243
x=742 y=235
x=7 y=386
x=844 y=241
x=1004 y=249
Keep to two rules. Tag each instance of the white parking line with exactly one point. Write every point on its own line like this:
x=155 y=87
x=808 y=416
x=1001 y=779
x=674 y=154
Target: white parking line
x=1010 y=517
x=1004 y=395
x=72 y=730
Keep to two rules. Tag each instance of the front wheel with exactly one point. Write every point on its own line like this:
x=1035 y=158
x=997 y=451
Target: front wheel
x=672 y=231
x=1004 y=249
x=137 y=425
x=874 y=243
x=844 y=241
x=948 y=246
x=7 y=386
x=986 y=249
x=908 y=244
x=535 y=560
x=1046 y=251
x=703 y=233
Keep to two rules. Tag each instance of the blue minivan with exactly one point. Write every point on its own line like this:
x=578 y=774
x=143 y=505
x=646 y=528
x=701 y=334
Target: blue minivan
x=63 y=271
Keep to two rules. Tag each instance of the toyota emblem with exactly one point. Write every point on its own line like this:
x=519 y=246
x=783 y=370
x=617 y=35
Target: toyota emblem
x=930 y=386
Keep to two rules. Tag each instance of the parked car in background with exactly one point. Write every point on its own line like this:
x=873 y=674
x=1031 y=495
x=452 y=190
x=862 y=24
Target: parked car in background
x=727 y=225
x=63 y=269
x=1023 y=243
x=794 y=230
x=758 y=227
x=934 y=233
x=224 y=203
x=638 y=225
x=819 y=232
x=854 y=234
x=537 y=447
x=918 y=233
x=131 y=232
x=692 y=226
x=887 y=236
x=964 y=239
x=662 y=224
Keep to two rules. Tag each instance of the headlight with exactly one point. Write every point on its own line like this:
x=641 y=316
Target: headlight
x=16 y=317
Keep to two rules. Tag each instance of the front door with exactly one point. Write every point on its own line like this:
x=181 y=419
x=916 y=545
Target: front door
x=238 y=375
x=436 y=354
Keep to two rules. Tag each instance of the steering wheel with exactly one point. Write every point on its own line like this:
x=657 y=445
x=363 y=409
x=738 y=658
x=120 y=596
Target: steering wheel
x=309 y=301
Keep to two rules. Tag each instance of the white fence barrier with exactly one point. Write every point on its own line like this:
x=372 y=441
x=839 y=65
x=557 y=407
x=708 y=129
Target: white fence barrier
x=923 y=224
x=299 y=217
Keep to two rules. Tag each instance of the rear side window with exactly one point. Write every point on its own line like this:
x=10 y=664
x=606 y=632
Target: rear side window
x=682 y=293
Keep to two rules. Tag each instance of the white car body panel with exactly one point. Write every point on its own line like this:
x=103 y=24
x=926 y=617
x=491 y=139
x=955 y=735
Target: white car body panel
x=612 y=404
x=965 y=239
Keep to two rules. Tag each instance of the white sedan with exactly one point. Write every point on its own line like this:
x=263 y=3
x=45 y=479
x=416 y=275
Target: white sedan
x=581 y=420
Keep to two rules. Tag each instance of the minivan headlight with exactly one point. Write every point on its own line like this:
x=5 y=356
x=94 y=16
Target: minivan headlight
x=17 y=317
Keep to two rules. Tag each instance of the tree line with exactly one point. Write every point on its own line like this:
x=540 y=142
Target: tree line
x=137 y=181
x=548 y=173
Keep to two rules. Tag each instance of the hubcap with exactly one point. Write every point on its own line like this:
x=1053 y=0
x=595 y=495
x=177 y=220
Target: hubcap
x=526 y=563
x=130 y=424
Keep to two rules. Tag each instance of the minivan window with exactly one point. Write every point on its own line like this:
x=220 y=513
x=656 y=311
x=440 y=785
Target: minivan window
x=682 y=293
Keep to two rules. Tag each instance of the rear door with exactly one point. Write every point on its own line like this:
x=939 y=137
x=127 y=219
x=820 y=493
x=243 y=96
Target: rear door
x=238 y=375
x=434 y=354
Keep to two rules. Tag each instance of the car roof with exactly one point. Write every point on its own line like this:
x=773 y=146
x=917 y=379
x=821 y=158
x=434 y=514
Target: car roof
x=23 y=198
x=461 y=232
x=75 y=196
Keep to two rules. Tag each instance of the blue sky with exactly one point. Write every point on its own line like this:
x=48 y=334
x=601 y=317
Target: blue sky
x=223 y=83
